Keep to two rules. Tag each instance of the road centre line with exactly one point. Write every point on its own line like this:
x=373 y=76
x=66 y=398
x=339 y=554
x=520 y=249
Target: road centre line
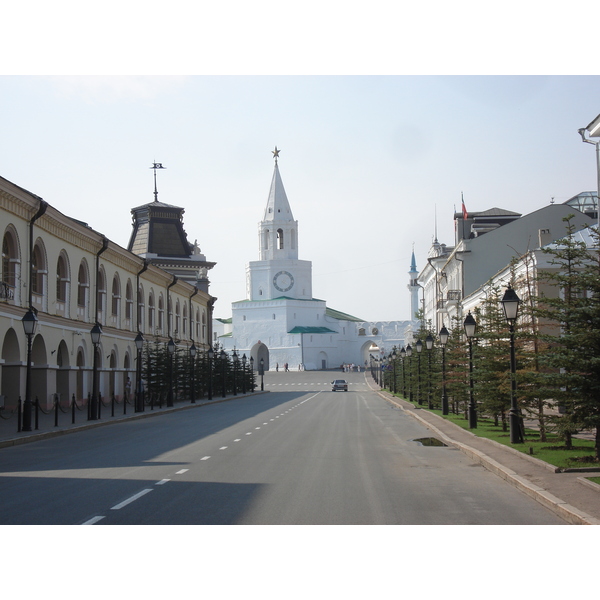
x=181 y=472
x=93 y=520
x=205 y=458
x=162 y=482
x=131 y=499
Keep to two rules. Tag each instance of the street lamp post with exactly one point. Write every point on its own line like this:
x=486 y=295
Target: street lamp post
x=403 y=357
x=223 y=356
x=211 y=354
x=444 y=335
x=139 y=399
x=171 y=351
x=235 y=367
x=394 y=356
x=419 y=347
x=593 y=130
x=510 y=303
x=429 y=345
x=252 y=372
x=95 y=334
x=262 y=373
x=470 y=325
x=410 y=387
x=29 y=322
x=244 y=374
x=193 y=367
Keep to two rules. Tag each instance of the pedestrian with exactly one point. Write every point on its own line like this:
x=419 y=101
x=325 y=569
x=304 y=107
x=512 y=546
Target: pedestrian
x=285 y=366
x=128 y=388
x=277 y=367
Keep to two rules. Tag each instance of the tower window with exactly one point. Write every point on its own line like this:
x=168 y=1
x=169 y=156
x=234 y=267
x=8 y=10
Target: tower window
x=280 y=239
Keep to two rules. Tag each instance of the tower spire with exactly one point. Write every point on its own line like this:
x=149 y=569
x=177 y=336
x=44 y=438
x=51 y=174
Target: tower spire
x=156 y=166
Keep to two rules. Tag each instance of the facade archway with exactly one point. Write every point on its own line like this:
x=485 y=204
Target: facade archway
x=62 y=374
x=322 y=361
x=11 y=369
x=258 y=351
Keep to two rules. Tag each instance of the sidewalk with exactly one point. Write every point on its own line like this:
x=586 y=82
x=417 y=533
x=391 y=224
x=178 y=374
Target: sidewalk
x=569 y=495
x=9 y=436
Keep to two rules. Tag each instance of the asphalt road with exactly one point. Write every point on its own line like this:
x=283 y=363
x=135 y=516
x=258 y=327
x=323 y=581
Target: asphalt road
x=300 y=454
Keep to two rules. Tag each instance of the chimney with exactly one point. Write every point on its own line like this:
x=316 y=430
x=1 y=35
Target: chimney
x=544 y=237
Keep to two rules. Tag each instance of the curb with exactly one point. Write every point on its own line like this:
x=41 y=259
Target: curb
x=36 y=437
x=567 y=512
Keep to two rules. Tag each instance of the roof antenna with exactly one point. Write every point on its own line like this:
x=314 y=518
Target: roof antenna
x=156 y=166
x=435 y=221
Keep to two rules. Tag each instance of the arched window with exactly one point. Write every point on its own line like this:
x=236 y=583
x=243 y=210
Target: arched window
x=151 y=311
x=83 y=285
x=38 y=269
x=280 y=239
x=266 y=239
x=184 y=320
x=161 y=313
x=177 y=318
x=10 y=265
x=62 y=279
x=128 y=301
x=203 y=326
x=116 y=296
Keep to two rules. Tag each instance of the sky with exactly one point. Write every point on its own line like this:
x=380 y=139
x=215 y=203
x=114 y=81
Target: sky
x=385 y=113
x=373 y=166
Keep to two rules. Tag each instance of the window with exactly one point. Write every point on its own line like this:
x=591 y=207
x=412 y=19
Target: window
x=161 y=313
x=177 y=318
x=184 y=320
x=82 y=284
x=101 y=293
x=151 y=311
x=141 y=308
x=9 y=259
x=38 y=268
x=280 y=239
x=128 y=300
x=116 y=296
x=62 y=279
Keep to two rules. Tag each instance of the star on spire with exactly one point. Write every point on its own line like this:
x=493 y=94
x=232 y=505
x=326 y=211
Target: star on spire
x=275 y=154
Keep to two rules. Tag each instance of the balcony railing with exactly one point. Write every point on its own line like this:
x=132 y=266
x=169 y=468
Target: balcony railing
x=7 y=292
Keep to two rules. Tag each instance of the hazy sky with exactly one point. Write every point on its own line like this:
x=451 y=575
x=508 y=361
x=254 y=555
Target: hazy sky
x=367 y=161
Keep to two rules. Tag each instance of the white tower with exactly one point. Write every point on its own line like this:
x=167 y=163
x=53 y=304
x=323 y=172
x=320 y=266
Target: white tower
x=413 y=288
x=278 y=273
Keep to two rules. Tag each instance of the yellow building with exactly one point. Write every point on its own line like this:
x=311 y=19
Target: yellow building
x=73 y=278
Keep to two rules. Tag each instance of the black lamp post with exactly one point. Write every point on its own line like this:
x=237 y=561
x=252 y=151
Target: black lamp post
x=262 y=373
x=95 y=334
x=211 y=354
x=403 y=357
x=29 y=321
x=394 y=356
x=235 y=367
x=223 y=357
x=244 y=374
x=429 y=346
x=252 y=372
x=444 y=335
x=193 y=367
x=171 y=351
x=470 y=326
x=139 y=399
x=419 y=347
x=510 y=303
x=409 y=354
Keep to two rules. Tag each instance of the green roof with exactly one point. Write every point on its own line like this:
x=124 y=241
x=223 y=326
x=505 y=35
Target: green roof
x=312 y=330
x=229 y=320
x=336 y=314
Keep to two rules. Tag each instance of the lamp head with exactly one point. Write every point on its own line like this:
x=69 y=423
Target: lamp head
x=29 y=321
x=429 y=342
x=443 y=335
x=470 y=325
x=510 y=303
x=419 y=346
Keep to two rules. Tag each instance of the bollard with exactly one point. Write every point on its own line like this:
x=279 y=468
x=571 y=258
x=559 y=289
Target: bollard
x=99 y=405
x=89 y=407
x=37 y=413
x=19 y=415
x=112 y=405
x=55 y=410
x=125 y=397
x=73 y=410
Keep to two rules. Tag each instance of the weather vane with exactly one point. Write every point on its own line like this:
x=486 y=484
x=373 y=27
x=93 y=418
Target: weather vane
x=156 y=166
x=275 y=154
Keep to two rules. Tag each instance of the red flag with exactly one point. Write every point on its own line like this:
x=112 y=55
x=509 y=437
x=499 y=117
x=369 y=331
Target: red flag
x=464 y=211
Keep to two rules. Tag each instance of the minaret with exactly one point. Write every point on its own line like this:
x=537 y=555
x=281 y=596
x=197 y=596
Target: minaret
x=413 y=287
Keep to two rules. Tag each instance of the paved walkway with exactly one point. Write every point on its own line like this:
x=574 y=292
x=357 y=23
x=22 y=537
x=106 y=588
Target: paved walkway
x=569 y=495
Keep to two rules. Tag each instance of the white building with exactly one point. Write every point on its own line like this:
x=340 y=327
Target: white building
x=280 y=321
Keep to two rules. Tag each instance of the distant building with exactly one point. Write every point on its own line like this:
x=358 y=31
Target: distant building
x=280 y=321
